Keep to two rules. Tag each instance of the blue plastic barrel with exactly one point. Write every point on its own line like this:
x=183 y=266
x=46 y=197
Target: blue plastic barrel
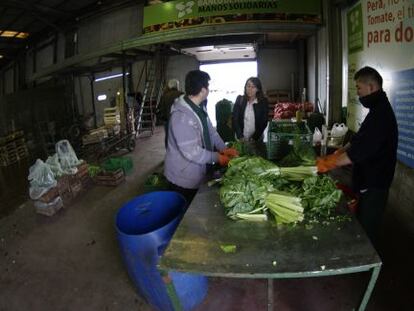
x=145 y=226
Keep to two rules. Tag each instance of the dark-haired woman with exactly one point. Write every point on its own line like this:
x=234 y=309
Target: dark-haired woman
x=250 y=112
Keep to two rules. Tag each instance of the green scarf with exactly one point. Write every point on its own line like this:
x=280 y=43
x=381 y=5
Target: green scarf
x=203 y=117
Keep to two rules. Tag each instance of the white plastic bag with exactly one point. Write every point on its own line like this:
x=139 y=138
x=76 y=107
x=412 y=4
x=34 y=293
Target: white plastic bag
x=67 y=157
x=317 y=136
x=57 y=203
x=339 y=130
x=41 y=179
x=54 y=164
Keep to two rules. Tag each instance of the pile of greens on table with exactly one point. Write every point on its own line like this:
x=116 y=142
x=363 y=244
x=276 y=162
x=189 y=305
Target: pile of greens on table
x=256 y=189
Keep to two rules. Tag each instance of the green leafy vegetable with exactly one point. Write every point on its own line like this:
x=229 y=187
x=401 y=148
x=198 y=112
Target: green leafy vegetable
x=319 y=197
x=285 y=207
x=228 y=248
x=302 y=153
x=255 y=189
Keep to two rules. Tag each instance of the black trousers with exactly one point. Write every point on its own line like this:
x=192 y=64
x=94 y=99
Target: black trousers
x=371 y=207
x=188 y=194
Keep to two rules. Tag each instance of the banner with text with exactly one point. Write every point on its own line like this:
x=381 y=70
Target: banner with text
x=381 y=35
x=190 y=13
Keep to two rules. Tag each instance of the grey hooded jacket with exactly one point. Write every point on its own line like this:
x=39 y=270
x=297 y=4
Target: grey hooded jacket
x=186 y=157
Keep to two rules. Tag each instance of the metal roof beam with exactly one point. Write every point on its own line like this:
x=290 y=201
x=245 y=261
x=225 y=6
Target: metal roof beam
x=35 y=8
x=174 y=35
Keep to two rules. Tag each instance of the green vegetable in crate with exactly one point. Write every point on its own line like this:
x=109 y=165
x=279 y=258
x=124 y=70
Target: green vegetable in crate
x=302 y=153
x=153 y=180
x=156 y=182
x=94 y=170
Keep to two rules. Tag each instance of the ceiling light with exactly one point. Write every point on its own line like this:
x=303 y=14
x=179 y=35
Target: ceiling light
x=12 y=34
x=22 y=35
x=102 y=97
x=8 y=33
x=111 y=77
x=1 y=56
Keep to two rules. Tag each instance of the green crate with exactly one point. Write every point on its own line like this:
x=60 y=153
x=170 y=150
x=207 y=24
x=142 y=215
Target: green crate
x=114 y=163
x=281 y=135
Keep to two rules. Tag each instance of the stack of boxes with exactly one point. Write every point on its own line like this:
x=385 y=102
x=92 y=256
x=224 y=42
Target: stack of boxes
x=68 y=188
x=112 y=116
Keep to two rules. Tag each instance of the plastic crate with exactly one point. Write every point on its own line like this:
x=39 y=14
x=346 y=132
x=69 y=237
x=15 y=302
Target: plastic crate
x=281 y=135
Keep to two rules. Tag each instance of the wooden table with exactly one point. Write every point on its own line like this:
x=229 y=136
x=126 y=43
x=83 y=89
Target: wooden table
x=264 y=250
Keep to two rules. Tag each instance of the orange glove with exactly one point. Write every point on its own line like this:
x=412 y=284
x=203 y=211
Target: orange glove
x=339 y=151
x=352 y=205
x=230 y=152
x=327 y=163
x=223 y=159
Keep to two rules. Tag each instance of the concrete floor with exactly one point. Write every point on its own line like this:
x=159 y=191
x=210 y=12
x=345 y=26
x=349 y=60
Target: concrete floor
x=71 y=261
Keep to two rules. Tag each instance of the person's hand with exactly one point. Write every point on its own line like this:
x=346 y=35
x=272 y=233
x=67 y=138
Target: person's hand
x=230 y=152
x=223 y=159
x=327 y=163
x=339 y=151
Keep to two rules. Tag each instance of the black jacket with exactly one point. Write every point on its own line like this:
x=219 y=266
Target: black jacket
x=373 y=148
x=260 y=117
x=166 y=101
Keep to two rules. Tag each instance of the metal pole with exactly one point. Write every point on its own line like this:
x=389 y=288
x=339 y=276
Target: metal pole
x=92 y=79
x=124 y=92
x=269 y=294
x=370 y=287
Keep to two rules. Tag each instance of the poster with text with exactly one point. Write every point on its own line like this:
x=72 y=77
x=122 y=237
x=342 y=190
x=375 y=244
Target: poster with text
x=180 y=14
x=381 y=35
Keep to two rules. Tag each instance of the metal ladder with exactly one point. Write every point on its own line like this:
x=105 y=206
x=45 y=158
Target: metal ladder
x=151 y=96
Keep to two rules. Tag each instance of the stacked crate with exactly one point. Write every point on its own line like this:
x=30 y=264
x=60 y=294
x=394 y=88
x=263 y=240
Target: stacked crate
x=110 y=178
x=49 y=203
x=281 y=135
x=68 y=188
x=274 y=97
x=112 y=116
x=63 y=185
x=13 y=148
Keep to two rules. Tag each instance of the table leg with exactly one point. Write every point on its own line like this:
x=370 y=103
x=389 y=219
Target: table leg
x=171 y=291
x=370 y=287
x=269 y=294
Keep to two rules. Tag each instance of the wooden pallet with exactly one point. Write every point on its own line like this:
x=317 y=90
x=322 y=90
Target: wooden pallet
x=15 y=135
x=13 y=151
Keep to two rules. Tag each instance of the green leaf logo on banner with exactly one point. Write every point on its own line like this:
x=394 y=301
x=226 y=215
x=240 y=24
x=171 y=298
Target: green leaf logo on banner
x=355 y=29
x=184 y=8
